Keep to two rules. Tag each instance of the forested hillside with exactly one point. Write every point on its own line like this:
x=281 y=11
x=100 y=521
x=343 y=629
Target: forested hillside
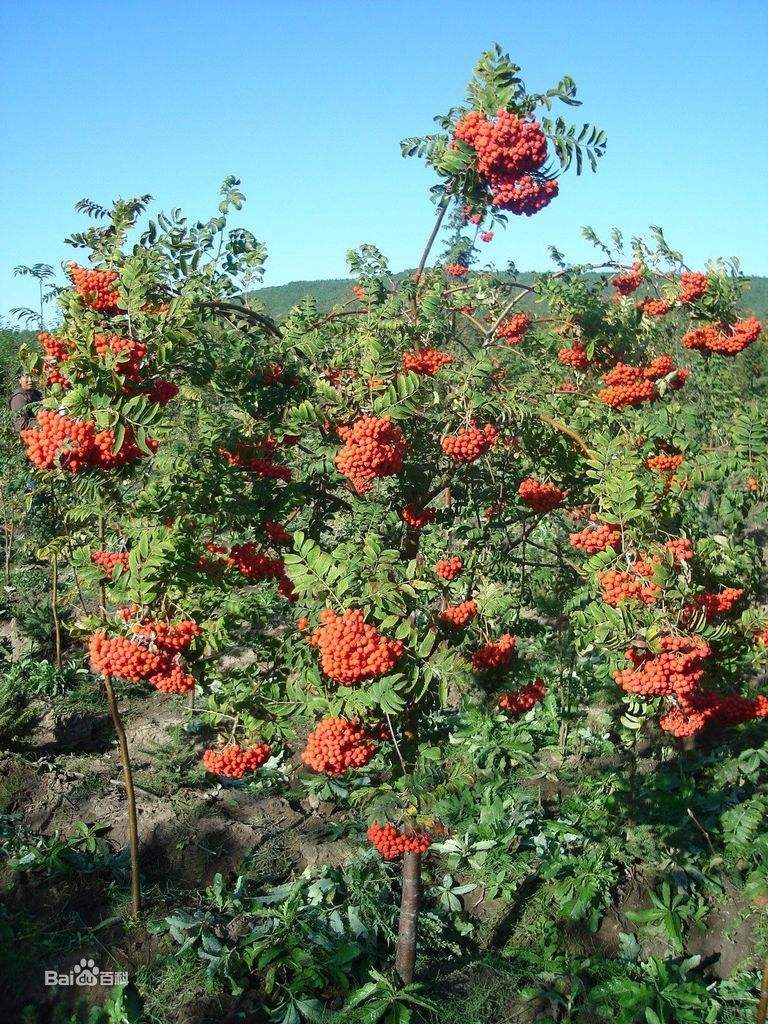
x=279 y=299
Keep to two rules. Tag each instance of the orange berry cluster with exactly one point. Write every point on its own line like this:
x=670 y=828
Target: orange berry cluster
x=494 y=655
x=693 y=284
x=510 y=145
x=575 y=356
x=629 y=281
x=541 y=497
x=676 y=670
x=653 y=307
x=523 y=196
x=427 y=361
x=233 y=761
x=416 y=517
x=76 y=445
x=373 y=447
x=456 y=269
x=392 y=843
x=664 y=463
x=337 y=744
x=514 y=329
x=351 y=650
x=96 y=287
x=681 y=549
x=633 y=385
x=713 y=605
x=56 y=350
x=107 y=561
x=469 y=443
x=152 y=654
x=517 y=702
x=617 y=586
x=449 y=568
x=722 y=340
x=619 y=395
x=458 y=615
x=597 y=538
x=508 y=149
x=129 y=352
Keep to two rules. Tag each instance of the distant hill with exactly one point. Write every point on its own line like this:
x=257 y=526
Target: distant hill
x=280 y=299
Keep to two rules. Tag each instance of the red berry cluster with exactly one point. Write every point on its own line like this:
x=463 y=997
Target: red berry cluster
x=653 y=307
x=713 y=605
x=96 y=287
x=486 y=236
x=456 y=269
x=161 y=391
x=458 y=615
x=351 y=650
x=541 y=497
x=617 y=586
x=416 y=517
x=337 y=744
x=705 y=706
x=128 y=352
x=277 y=533
x=722 y=340
x=76 y=445
x=676 y=670
x=427 y=361
x=469 y=443
x=449 y=568
x=513 y=330
x=517 y=702
x=693 y=284
x=629 y=281
x=258 y=458
x=152 y=654
x=234 y=761
x=107 y=561
x=597 y=538
x=664 y=463
x=509 y=149
x=575 y=356
x=494 y=655
x=392 y=843
x=373 y=447
x=251 y=562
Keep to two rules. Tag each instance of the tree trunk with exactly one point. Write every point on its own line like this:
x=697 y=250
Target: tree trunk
x=55 y=610
x=133 y=832
x=409 y=917
x=762 y=1009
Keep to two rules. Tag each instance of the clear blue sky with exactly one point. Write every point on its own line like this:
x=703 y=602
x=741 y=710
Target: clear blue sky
x=306 y=102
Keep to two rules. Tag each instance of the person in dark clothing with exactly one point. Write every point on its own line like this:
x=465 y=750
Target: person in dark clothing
x=22 y=403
